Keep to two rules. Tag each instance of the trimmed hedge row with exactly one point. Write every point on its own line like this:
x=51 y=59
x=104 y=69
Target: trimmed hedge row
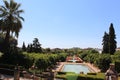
x=61 y=73
x=89 y=76
x=92 y=73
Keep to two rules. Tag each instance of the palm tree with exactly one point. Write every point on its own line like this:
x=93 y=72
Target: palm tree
x=10 y=20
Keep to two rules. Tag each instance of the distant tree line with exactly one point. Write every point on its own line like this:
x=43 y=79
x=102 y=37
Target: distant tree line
x=33 y=47
x=36 y=47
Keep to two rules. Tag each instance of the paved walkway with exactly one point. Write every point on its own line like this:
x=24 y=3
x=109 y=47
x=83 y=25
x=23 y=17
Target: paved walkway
x=59 y=66
x=94 y=68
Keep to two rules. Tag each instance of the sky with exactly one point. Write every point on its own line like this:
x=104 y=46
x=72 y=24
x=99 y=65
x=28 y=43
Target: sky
x=68 y=23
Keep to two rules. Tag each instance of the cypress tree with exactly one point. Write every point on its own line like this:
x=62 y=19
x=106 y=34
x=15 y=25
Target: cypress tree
x=23 y=47
x=112 y=41
x=105 y=43
x=28 y=48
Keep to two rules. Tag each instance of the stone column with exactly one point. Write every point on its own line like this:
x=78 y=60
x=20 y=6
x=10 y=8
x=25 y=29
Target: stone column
x=16 y=73
x=111 y=74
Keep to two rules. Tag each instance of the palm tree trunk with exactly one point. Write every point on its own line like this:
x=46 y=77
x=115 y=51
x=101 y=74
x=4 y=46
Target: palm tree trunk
x=6 y=43
x=7 y=36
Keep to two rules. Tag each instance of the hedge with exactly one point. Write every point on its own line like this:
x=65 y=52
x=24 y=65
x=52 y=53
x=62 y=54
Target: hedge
x=91 y=73
x=61 y=73
x=91 y=77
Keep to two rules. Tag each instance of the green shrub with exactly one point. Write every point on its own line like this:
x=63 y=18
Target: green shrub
x=16 y=58
x=103 y=62
x=83 y=55
x=117 y=66
x=91 y=57
x=116 y=56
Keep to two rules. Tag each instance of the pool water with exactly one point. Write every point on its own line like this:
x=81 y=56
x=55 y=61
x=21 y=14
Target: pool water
x=77 y=68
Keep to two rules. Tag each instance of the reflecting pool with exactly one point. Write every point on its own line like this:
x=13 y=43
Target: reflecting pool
x=77 y=68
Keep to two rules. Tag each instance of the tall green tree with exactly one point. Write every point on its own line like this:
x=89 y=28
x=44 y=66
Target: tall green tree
x=112 y=41
x=10 y=20
x=23 y=47
x=36 y=45
x=105 y=43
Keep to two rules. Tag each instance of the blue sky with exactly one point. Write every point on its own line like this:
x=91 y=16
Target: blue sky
x=69 y=23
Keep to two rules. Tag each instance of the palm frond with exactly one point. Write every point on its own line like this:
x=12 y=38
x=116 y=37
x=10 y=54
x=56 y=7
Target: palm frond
x=11 y=3
x=6 y=4
x=14 y=6
x=19 y=24
x=3 y=11
x=3 y=14
x=21 y=18
x=20 y=11
x=3 y=8
x=17 y=7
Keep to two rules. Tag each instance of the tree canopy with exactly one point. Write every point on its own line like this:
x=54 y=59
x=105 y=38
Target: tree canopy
x=10 y=20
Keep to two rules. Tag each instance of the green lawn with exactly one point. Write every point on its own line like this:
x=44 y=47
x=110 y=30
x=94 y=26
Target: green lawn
x=72 y=76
